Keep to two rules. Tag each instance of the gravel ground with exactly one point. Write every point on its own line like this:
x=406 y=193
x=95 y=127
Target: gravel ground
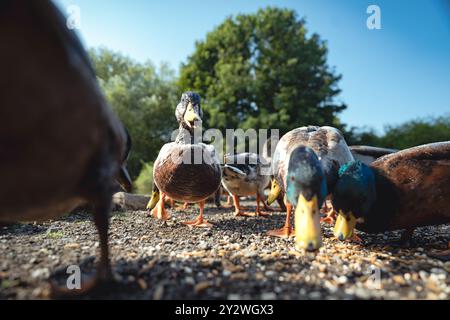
x=234 y=260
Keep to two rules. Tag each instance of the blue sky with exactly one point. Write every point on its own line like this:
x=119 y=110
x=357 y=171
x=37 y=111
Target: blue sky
x=398 y=73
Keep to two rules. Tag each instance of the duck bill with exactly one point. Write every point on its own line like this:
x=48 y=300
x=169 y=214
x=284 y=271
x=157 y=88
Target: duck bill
x=124 y=179
x=308 y=235
x=153 y=200
x=192 y=118
x=345 y=225
x=275 y=191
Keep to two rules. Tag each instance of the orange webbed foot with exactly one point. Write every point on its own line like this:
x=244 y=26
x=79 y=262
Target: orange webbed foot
x=199 y=223
x=285 y=232
x=330 y=217
x=240 y=213
x=160 y=213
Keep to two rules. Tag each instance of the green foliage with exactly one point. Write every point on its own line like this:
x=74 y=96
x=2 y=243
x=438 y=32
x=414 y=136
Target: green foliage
x=417 y=132
x=263 y=71
x=144 y=182
x=406 y=135
x=362 y=136
x=143 y=97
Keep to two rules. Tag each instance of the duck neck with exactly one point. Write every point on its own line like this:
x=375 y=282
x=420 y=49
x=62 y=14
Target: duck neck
x=186 y=135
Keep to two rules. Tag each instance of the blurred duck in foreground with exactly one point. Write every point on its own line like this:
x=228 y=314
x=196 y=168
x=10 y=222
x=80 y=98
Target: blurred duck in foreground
x=61 y=145
x=246 y=174
x=403 y=190
x=185 y=170
x=305 y=167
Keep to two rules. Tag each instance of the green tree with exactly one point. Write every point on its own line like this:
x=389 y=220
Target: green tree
x=143 y=97
x=263 y=71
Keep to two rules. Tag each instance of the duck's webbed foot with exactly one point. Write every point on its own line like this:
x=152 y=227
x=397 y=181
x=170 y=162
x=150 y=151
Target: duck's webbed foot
x=286 y=232
x=229 y=203
x=259 y=212
x=238 y=212
x=159 y=212
x=199 y=222
x=356 y=238
x=330 y=214
x=330 y=217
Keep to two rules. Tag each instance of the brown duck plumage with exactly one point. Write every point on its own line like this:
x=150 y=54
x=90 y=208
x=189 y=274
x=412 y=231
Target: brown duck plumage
x=187 y=170
x=413 y=188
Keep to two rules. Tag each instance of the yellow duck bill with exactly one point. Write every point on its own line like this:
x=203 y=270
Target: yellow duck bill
x=192 y=118
x=153 y=200
x=274 y=192
x=345 y=225
x=308 y=235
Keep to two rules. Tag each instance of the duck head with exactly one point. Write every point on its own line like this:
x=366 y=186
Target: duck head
x=189 y=112
x=306 y=189
x=353 y=196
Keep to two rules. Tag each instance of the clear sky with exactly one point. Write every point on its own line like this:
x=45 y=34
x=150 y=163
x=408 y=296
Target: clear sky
x=391 y=75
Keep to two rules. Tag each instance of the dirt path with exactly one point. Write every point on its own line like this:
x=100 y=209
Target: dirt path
x=234 y=260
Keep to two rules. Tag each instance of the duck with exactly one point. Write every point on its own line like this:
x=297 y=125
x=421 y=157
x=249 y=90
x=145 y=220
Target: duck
x=368 y=154
x=62 y=146
x=186 y=170
x=403 y=190
x=299 y=171
x=246 y=174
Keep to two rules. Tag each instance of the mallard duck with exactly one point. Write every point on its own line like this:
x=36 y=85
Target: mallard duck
x=368 y=154
x=301 y=174
x=61 y=145
x=186 y=170
x=246 y=174
x=403 y=190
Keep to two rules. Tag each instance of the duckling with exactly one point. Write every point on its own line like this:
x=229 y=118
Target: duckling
x=246 y=174
x=332 y=151
x=61 y=145
x=186 y=170
x=403 y=190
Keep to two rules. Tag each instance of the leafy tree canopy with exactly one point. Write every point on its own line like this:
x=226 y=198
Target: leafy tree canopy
x=263 y=71
x=143 y=97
